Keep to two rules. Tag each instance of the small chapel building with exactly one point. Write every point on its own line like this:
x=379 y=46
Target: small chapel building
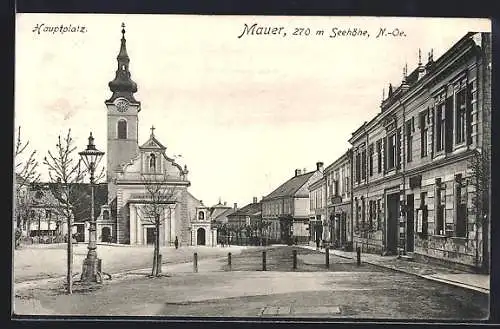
x=135 y=172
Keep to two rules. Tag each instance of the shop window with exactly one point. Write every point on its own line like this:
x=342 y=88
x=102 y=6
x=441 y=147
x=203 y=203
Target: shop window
x=461 y=208
x=422 y=215
x=440 y=208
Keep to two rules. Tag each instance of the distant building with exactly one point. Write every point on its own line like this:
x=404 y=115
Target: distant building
x=286 y=209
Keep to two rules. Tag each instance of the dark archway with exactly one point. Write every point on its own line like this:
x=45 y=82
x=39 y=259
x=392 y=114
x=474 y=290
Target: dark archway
x=106 y=234
x=200 y=236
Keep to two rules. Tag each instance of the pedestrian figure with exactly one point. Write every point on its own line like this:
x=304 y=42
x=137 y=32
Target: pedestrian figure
x=176 y=243
x=317 y=242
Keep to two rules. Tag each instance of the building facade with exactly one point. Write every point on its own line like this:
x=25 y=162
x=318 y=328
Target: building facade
x=330 y=205
x=286 y=209
x=413 y=184
x=338 y=202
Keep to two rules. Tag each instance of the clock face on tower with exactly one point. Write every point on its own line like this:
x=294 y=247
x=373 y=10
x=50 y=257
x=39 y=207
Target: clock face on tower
x=121 y=105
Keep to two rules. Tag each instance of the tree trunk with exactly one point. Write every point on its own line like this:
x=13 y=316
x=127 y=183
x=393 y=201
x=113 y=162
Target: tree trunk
x=156 y=254
x=158 y=260
x=70 y=258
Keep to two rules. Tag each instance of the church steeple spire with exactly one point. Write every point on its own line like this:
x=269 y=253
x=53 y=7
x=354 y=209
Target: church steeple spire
x=122 y=85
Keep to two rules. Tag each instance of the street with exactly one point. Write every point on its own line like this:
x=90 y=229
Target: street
x=342 y=291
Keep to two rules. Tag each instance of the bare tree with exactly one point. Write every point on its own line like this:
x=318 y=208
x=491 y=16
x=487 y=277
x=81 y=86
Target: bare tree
x=159 y=197
x=66 y=173
x=26 y=172
x=481 y=180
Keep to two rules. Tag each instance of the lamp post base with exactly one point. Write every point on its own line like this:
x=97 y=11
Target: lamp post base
x=91 y=266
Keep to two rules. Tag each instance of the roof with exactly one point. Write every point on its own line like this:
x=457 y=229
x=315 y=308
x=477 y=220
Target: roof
x=290 y=187
x=152 y=143
x=252 y=209
x=223 y=214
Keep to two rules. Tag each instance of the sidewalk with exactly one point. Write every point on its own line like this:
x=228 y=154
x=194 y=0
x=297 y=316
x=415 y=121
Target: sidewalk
x=477 y=282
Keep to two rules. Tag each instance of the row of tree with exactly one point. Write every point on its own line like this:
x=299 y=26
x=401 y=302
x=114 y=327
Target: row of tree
x=66 y=175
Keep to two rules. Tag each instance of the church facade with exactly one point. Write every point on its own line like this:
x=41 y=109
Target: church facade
x=144 y=184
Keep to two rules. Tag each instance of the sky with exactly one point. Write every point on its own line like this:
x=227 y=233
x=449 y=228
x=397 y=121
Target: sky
x=242 y=113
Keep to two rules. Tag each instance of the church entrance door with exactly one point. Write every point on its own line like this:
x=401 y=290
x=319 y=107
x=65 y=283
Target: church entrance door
x=200 y=236
x=150 y=235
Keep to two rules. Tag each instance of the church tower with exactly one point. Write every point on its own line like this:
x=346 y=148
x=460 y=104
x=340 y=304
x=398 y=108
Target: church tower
x=123 y=119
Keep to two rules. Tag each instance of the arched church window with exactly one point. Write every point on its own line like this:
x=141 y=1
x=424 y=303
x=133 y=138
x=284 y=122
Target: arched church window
x=105 y=215
x=152 y=162
x=201 y=215
x=122 y=129
x=123 y=67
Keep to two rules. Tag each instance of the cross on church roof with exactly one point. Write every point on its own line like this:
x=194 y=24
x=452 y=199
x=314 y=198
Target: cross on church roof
x=152 y=130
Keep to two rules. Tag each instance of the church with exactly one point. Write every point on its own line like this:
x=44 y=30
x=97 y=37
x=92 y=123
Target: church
x=132 y=168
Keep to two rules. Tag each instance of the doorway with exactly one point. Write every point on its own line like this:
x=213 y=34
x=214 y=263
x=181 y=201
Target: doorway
x=392 y=223
x=200 y=236
x=106 y=234
x=410 y=226
x=150 y=235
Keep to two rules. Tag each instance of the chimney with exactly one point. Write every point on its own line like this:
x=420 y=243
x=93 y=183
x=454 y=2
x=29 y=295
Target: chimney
x=225 y=203
x=254 y=199
x=319 y=166
x=235 y=206
x=297 y=172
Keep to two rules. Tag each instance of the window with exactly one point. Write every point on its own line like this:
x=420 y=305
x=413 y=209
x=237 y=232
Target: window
x=440 y=127
x=336 y=187
x=409 y=141
x=363 y=164
x=422 y=223
x=201 y=215
x=105 y=215
x=47 y=213
x=460 y=113
x=379 y=156
x=424 y=118
x=461 y=208
x=391 y=155
x=370 y=160
x=470 y=96
x=122 y=129
x=358 y=168
x=152 y=162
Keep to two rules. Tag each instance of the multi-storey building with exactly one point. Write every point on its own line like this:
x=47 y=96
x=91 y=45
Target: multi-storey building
x=330 y=204
x=286 y=209
x=338 y=201
x=413 y=163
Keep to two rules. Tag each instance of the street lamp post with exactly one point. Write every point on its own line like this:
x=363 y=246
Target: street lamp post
x=91 y=264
